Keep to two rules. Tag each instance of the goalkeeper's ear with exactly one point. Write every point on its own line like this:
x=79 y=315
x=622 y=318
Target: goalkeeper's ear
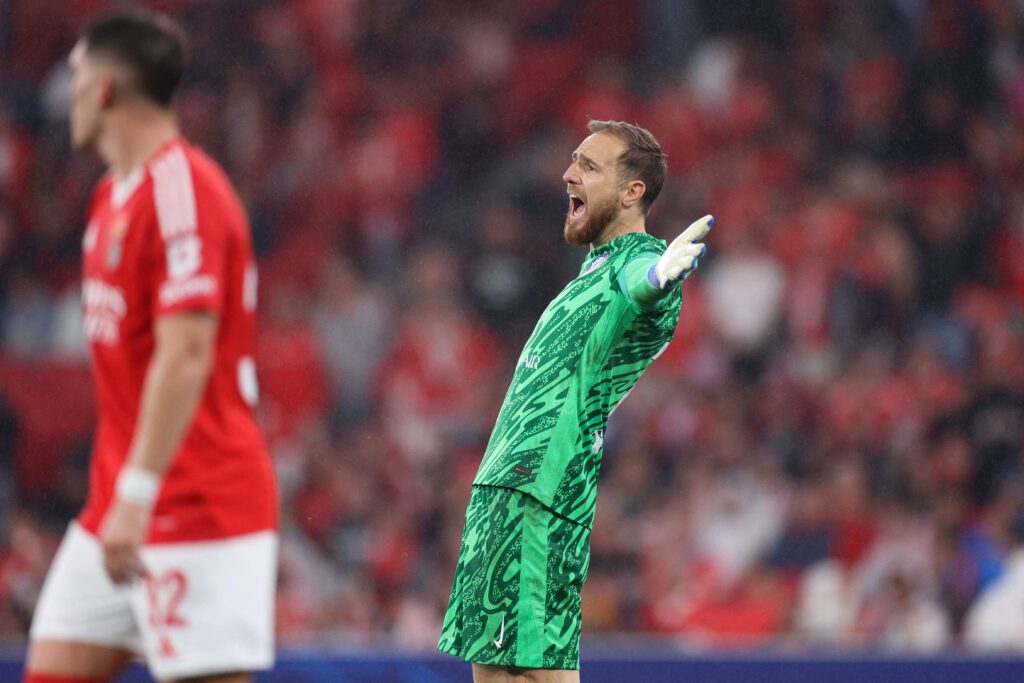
x=632 y=192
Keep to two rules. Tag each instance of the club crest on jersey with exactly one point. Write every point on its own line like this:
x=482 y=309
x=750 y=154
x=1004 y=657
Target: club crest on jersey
x=596 y=263
x=115 y=241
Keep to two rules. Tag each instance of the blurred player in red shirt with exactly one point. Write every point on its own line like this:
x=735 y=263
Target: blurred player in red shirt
x=174 y=556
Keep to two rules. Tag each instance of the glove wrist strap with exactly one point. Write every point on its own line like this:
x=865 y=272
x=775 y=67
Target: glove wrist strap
x=652 y=277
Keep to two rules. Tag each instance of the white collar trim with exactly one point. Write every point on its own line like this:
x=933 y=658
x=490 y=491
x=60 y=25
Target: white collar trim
x=125 y=187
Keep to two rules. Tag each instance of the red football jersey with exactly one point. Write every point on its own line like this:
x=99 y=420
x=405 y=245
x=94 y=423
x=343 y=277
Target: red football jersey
x=174 y=237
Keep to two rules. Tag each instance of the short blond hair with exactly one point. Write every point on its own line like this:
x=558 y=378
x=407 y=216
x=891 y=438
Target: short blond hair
x=642 y=159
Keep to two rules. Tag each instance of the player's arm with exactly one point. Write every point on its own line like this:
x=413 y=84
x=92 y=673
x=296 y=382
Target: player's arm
x=174 y=385
x=175 y=382
x=649 y=279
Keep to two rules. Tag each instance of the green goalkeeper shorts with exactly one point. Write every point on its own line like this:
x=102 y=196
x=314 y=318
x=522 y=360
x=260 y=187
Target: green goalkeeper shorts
x=516 y=596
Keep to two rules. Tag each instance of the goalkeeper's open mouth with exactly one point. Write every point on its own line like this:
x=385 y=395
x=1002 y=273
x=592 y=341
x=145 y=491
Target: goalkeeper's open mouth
x=577 y=207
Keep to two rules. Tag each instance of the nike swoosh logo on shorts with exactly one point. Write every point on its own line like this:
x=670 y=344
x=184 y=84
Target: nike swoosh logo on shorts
x=501 y=636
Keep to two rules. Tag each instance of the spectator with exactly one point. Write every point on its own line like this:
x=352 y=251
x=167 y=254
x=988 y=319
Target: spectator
x=353 y=323
x=996 y=620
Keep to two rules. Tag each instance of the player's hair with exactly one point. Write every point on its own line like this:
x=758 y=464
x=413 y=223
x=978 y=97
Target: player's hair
x=642 y=159
x=151 y=45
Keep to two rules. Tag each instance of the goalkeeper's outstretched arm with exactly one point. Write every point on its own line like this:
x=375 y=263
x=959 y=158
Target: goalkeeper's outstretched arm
x=649 y=279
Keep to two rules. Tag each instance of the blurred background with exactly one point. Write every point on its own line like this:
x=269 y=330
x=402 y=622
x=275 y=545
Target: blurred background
x=831 y=452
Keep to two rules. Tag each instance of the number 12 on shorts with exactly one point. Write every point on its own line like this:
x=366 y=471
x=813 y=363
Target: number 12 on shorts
x=165 y=592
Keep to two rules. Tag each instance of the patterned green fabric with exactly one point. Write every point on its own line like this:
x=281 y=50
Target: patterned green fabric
x=516 y=596
x=589 y=348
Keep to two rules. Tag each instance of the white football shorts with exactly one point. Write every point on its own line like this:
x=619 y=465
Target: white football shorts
x=206 y=607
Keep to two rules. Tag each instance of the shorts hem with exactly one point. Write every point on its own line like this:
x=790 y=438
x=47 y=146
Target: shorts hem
x=78 y=638
x=519 y=663
x=451 y=651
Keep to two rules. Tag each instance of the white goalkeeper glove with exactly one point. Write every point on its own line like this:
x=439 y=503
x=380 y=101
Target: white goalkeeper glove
x=682 y=256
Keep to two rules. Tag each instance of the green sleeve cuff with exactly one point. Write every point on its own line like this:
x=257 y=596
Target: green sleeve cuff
x=634 y=283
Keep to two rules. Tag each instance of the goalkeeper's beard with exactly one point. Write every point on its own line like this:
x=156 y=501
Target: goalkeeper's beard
x=598 y=218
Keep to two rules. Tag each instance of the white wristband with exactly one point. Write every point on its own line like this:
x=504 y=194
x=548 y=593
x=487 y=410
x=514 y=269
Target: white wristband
x=138 y=485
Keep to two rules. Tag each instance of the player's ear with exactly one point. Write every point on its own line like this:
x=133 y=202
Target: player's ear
x=107 y=87
x=632 y=192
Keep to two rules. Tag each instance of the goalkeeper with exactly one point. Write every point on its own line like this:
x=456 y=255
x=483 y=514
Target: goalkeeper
x=515 y=604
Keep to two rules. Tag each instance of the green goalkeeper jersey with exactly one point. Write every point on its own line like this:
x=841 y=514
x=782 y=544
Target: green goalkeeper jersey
x=587 y=352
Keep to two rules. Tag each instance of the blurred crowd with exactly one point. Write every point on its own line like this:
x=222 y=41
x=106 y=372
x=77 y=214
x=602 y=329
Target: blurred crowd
x=832 y=449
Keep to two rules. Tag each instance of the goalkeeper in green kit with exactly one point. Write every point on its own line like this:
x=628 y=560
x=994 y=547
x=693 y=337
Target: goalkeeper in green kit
x=515 y=605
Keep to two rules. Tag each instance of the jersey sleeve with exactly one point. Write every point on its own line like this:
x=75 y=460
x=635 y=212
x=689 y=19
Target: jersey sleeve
x=192 y=234
x=636 y=287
